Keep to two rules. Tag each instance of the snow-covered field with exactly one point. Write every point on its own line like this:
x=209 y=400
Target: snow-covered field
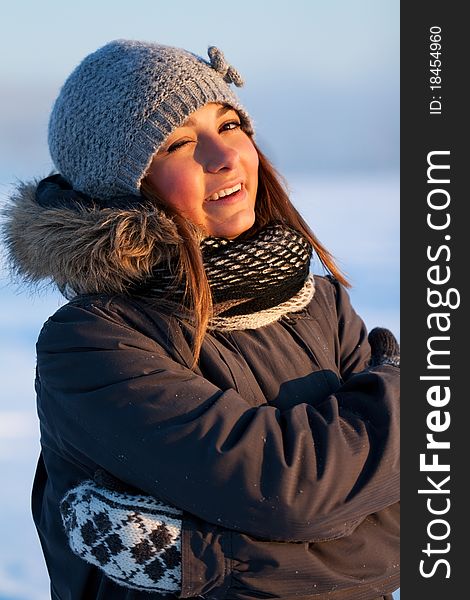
x=356 y=217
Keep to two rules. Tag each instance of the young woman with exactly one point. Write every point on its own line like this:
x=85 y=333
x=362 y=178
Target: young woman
x=213 y=422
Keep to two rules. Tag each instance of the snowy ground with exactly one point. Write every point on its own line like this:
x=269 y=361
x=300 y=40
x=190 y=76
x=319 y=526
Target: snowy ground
x=356 y=218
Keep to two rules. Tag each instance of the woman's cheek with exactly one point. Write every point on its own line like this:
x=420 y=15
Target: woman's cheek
x=186 y=193
x=251 y=158
x=174 y=185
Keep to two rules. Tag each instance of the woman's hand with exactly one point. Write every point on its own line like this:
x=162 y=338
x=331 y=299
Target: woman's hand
x=385 y=349
x=133 y=538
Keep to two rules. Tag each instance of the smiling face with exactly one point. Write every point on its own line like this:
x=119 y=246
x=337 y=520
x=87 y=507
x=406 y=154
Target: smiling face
x=207 y=171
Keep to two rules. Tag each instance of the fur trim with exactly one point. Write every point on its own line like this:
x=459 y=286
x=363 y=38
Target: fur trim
x=92 y=250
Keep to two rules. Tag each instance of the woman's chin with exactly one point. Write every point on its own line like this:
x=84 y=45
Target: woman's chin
x=234 y=226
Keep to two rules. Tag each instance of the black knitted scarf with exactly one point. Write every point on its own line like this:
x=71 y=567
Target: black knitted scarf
x=245 y=275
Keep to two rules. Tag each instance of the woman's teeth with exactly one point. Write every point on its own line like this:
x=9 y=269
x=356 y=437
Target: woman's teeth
x=225 y=192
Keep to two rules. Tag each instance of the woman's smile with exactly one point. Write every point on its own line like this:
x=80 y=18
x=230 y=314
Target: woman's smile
x=225 y=193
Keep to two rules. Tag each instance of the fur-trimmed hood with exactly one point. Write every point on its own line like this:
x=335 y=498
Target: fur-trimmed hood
x=52 y=232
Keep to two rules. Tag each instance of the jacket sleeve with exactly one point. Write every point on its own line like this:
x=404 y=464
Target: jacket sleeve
x=344 y=333
x=354 y=349
x=113 y=396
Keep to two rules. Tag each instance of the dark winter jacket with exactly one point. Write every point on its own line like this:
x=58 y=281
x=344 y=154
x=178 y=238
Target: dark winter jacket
x=280 y=448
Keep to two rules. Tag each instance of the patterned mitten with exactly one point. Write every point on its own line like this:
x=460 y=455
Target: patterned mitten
x=133 y=538
x=385 y=349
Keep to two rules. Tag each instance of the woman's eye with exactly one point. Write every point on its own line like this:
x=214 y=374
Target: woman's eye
x=176 y=145
x=231 y=125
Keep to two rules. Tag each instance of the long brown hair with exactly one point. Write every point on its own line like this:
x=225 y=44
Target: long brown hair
x=272 y=204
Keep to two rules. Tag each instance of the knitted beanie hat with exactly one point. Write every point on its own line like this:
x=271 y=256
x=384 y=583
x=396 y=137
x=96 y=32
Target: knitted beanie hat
x=120 y=104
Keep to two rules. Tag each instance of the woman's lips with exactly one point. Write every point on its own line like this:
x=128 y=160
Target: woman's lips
x=230 y=199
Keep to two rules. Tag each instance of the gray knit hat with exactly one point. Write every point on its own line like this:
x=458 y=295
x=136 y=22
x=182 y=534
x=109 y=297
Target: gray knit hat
x=120 y=104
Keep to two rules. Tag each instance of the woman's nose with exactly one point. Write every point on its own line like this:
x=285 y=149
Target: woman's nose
x=219 y=155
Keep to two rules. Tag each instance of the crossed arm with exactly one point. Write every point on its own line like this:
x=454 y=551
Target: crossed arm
x=303 y=474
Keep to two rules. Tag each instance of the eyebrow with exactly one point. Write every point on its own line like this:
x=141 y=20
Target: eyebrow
x=220 y=111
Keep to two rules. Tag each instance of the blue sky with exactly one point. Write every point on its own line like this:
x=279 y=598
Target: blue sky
x=322 y=78
x=336 y=38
